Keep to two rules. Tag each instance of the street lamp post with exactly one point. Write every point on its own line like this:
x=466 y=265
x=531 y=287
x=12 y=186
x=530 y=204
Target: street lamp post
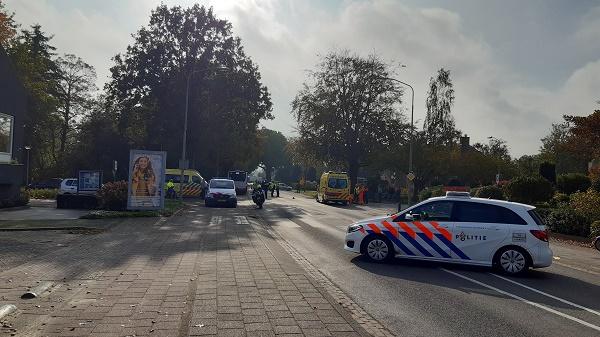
x=182 y=163
x=410 y=151
x=27 y=148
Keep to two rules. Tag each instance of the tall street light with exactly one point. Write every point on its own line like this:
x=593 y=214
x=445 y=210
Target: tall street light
x=410 y=175
x=183 y=164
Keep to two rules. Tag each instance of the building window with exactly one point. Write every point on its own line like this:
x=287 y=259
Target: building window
x=6 y=137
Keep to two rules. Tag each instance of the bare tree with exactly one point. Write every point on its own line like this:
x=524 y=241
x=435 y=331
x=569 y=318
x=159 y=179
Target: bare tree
x=75 y=88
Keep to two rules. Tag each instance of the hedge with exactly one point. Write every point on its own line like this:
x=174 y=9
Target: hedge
x=44 y=193
x=489 y=192
x=586 y=204
x=572 y=182
x=529 y=190
x=568 y=221
x=430 y=192
x=113 y=196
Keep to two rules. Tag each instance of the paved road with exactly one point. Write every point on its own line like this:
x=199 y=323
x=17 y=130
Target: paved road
x=431 y=299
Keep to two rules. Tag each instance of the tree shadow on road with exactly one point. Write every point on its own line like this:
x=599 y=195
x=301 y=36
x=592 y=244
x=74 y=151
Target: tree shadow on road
x=563 y=286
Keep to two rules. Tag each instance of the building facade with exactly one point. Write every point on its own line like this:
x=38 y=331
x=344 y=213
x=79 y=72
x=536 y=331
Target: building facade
x=12 y=113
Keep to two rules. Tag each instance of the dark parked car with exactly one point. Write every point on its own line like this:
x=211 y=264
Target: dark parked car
x=53 y=183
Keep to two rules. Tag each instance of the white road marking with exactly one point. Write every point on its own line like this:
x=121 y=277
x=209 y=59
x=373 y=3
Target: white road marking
x=241 y=220
x=548 y=295
x=576 y=268
x=537 y=305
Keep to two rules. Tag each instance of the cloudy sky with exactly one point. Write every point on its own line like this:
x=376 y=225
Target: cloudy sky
x=517 y=66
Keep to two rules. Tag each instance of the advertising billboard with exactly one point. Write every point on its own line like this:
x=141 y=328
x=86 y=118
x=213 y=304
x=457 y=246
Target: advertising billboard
x=146 y=180
x=89 y=180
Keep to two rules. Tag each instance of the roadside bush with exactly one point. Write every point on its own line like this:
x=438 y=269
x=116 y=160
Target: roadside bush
x=595 y=229
x=586 y=204
x=568 y=221
x=529 y=190
x=23 y=198
x=489 y=192
x=45 y=193
x=430 y=192
x=572 y=182
x=595 y=181
x=559 y=200
x=113 y=196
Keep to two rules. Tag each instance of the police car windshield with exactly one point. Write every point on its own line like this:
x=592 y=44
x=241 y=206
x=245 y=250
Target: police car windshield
x=337 y=183
x=225 y=184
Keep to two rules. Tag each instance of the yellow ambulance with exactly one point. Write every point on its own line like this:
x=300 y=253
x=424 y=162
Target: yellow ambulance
x=334 y=187
x=194 y=185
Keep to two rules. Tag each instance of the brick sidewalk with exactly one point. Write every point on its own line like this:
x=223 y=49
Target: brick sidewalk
x=206 y=272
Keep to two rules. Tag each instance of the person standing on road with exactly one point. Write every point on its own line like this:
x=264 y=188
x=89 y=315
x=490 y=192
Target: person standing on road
x=265 y=188
x=171 y=189
x=366 y=194
x=272 y=188
x=379 y=192
x=277 y=189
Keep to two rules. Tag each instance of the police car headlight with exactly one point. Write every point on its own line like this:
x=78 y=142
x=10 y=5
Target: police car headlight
x=354 y=228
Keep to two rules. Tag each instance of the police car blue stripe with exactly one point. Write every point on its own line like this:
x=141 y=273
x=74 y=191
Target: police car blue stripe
x=452 y=247
x=416 y=244
x=395 y=241
x=433 y=245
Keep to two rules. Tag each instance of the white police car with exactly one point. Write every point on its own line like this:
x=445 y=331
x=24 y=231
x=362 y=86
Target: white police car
x=458 y=229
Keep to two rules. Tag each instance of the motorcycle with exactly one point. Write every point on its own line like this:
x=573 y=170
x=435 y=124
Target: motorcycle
x=258 y=197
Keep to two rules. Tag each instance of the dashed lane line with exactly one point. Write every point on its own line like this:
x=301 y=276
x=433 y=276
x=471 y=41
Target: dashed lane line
x=537 y=305
x=548 y=295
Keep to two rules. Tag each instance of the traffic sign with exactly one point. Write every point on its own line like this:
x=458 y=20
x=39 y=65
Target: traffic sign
x=411 y=176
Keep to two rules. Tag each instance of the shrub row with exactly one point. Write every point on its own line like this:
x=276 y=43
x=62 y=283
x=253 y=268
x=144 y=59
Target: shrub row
x=45 y=193
x=21 y=200
x=113 y=196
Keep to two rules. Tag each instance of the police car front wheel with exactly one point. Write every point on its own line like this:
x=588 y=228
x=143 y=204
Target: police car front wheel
x=378 y=249
x=512 y=261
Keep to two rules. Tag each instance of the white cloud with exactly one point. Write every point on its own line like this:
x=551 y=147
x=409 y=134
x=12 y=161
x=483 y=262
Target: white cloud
x=285 y=38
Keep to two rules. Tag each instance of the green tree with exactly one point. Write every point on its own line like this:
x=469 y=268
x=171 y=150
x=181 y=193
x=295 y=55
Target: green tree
x=495 y=148
x=584 y=140
x=273 y=151
x=148 y=86
x=555 y=149
x=348 y=110
x=439 y=124
x=8 y=27
x=32 y=54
